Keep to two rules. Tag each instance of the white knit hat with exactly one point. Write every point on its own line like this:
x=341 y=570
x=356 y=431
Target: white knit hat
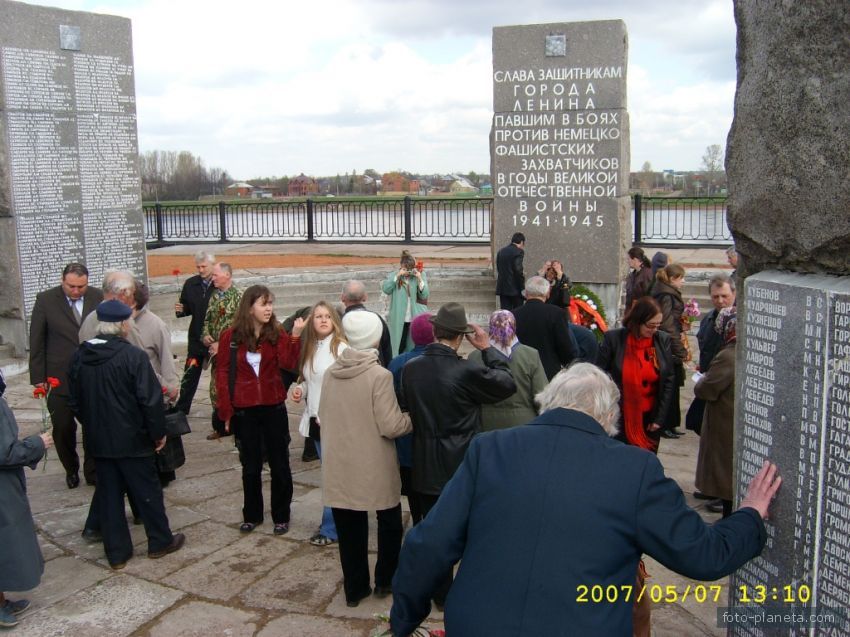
x=363 y=329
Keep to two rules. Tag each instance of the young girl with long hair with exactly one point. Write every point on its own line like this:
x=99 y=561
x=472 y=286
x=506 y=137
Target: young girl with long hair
x=251 y=401
x=323 y=342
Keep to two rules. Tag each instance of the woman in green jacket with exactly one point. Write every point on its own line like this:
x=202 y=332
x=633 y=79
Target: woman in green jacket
x=527 y=371
x=408 y=292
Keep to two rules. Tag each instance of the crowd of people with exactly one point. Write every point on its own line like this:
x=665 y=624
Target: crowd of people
x=394 y=409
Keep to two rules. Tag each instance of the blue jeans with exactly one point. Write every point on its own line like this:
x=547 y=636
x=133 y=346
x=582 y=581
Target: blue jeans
x=327 y=528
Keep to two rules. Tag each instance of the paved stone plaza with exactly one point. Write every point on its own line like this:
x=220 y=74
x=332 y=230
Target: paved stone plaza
x=224 y=582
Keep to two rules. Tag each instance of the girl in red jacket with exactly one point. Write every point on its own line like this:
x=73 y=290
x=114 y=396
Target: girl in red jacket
x=252 y=402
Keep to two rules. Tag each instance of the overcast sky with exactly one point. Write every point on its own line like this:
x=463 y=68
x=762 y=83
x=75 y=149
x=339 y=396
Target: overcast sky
x=271 y=88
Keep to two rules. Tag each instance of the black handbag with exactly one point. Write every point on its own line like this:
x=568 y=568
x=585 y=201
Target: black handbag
x=176 y=423
x=171 y=456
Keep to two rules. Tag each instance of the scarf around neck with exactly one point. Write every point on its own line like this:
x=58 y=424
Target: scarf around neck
x=640 y=389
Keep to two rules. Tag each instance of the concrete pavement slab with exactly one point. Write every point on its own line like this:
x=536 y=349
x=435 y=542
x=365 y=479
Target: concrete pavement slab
x=202 y=619
x=312 y=626
x=49 y=550
x=305 y=583
x=63 y=577
x=115 y=606
x=226 y=573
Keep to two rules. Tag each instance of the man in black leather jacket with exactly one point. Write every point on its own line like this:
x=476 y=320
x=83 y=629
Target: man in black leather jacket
x=444 y=394
x=118 y=400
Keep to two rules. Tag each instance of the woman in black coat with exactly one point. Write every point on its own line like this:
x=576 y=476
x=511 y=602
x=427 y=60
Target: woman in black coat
x=639 y=359
x=668 y=292
x=640 y=276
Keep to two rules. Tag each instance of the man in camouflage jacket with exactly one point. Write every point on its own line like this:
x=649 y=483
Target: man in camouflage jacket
x=220 y=313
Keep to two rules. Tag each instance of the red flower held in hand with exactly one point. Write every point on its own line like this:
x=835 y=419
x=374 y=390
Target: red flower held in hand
x=53 y=381
x=165 y=390
x=175 y=271
x=420 y=265
x=191 y=362
x=39 y=392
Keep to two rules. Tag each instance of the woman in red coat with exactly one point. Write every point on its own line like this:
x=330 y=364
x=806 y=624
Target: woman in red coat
x=251 y=401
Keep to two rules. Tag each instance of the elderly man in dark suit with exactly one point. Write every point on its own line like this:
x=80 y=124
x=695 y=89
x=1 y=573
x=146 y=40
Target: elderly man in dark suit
x=509 y=274
x=545 y=327
x=194 y=299
x=54 y=325
x=540 y=515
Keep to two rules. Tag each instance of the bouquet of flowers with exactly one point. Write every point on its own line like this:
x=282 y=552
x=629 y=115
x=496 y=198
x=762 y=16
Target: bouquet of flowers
x=41 y=392
x=691 y=311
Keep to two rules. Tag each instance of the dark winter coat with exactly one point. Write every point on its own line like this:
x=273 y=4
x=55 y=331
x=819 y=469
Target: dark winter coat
x=545 y=328
x=444 y=394
x=510 y=280
x=195 y=297
x=117 y=398
x=537 y=514
x=611 y=353
x=21 y=562
x=672 y=307
x=637 y=285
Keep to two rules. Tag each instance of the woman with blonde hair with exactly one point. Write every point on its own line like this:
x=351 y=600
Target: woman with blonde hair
x=322 y=342
x=408 y=292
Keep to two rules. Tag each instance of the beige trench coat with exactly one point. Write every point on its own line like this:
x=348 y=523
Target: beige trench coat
x=360 y=418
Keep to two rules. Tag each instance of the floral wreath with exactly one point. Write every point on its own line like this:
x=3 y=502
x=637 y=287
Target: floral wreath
x=586 y=309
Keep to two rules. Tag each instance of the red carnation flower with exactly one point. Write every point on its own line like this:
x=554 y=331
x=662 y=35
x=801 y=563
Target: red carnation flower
x=53 y=381
x=39 y=392
x=192 y=362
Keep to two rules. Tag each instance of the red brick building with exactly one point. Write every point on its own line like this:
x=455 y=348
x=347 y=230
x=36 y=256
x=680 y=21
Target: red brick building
x=302 y=186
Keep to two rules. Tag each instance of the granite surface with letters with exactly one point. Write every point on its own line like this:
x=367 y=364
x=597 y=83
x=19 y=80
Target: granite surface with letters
x=69 y=174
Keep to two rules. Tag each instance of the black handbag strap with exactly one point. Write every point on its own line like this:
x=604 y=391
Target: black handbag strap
x=231 y=372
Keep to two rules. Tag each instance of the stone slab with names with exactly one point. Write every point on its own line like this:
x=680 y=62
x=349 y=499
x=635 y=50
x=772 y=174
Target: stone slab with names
x=69 y=176
x=793 y=408
x=560 y=146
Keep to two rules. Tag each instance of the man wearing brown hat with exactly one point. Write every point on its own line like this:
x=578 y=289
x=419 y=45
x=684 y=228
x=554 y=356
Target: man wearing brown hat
x=444 y=394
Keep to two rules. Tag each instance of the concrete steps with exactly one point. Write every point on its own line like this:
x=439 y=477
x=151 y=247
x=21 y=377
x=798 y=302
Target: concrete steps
x=474 y=287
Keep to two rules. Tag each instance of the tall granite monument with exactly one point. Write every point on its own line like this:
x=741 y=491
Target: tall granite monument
x=787 y=166
x=559 y=147
x=69 y=176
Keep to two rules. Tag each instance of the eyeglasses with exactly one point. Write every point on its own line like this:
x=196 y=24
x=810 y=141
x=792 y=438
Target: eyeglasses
x=652 y=326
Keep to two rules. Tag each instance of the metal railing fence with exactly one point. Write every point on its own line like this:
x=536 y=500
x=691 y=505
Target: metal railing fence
x=407 y=220
x=693 y=221
x=656 y=221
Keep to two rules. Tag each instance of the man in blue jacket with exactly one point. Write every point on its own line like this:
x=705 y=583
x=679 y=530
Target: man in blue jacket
x=538 y=515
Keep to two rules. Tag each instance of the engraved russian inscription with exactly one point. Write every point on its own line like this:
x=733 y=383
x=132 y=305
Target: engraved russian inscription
x=559 y=141
x=793 y=408
x=71 y=145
